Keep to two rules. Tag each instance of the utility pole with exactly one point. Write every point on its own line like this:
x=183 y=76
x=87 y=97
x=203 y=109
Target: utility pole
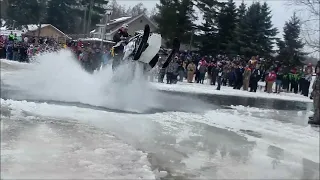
x=108 y=14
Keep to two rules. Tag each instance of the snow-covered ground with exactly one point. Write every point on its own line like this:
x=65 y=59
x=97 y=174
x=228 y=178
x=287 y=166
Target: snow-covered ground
x=228 y=91
x=42 y=140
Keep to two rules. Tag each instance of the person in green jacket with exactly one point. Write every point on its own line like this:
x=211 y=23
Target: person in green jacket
x=294 y=79
x=11 y=36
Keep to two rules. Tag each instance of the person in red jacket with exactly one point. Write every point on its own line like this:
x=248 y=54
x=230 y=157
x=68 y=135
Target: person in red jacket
x=271 y=78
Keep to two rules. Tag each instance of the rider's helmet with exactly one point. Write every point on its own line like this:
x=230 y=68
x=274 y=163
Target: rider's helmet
x=124 y=27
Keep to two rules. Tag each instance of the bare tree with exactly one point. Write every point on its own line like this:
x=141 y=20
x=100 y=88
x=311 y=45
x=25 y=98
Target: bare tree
x=137 y=10
x=309 y=11
x=117 y=10
x=153 y=13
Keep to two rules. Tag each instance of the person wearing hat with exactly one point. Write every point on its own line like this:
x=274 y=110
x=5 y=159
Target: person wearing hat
x=306 y=80
x=121 y=35
x=191 y=69
x=316 y=98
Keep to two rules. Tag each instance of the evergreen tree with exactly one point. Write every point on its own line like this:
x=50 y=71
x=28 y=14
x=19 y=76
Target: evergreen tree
x=63 y=15
x=240 y=31
x=249 y=30
x=241 y=11
x=255 y=31
x=268 y=36
x=226 y=23
x=209 y=28
x=24 y=12
x=175 y=19
x=186 y=18
x=291 y=48
x=166 y=18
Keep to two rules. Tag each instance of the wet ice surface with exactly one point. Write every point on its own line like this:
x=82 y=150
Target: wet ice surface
x=217 y=144
x=182 y=137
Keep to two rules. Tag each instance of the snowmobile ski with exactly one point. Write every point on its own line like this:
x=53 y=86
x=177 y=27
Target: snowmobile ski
x=143 y=42
x=175 y=49
x=154 y=61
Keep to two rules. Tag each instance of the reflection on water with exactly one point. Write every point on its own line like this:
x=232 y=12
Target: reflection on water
x=265 y=103
x=277 y=154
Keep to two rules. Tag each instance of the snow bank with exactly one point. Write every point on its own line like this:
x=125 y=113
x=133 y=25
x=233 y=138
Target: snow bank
x=228 y=91
x=5 y=61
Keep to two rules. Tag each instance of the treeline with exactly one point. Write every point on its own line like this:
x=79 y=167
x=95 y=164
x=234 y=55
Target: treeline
x=231 y=30
x=226 y=29
x=70 y=16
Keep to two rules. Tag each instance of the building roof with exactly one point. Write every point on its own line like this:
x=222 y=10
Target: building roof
x=34 y=27
x=129 y=21
x=119 y=20
x=115 y=21
x=94 y=39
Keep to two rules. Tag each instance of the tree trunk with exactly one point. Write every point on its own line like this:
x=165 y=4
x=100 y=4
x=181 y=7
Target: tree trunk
x=39 y=29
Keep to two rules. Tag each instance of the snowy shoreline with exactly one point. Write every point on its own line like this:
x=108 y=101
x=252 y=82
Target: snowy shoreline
x=194 y=88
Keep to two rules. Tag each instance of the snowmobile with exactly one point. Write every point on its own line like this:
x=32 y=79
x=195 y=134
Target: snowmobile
x=143 y=48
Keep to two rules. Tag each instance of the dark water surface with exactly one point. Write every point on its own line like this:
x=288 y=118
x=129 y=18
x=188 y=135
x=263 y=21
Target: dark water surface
x=217 y=101
x=223 y=100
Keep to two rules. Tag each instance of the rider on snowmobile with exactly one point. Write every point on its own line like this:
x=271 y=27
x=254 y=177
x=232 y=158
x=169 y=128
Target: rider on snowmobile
x=121 y=35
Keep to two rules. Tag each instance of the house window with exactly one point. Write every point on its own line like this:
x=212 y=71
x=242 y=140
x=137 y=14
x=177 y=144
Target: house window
x=141 y=21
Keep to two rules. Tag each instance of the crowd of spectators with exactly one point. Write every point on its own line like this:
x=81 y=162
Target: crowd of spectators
x=23 y=48
x=238 y=72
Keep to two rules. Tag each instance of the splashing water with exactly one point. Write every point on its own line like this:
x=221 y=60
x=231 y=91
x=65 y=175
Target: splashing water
x=58 y=76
